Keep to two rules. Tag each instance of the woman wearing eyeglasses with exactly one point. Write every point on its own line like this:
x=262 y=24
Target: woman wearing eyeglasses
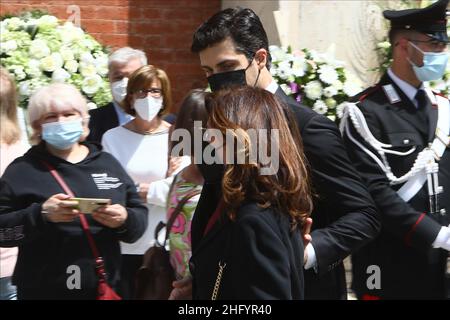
x=141 y=146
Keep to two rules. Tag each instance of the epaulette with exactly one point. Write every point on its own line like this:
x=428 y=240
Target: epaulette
x=369 y=92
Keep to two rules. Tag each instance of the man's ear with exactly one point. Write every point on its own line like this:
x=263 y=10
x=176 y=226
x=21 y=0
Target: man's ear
x=402 y=44
x=261 y=58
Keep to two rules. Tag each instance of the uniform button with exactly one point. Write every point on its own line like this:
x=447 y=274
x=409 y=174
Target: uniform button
x=406 y=141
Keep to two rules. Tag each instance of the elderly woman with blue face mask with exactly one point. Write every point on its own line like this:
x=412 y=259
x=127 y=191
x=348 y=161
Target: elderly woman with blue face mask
x=37 y=214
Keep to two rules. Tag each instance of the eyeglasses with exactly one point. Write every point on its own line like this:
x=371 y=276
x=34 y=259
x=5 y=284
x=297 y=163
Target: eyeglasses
x=154 y=92
x=432 y=43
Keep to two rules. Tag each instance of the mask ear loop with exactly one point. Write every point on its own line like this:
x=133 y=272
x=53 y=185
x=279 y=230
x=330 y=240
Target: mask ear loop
x=417 y=48
x=259 y=71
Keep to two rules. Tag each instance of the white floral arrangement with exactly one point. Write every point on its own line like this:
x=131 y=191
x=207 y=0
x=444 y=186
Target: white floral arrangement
x=38 y=49
x=314 y=79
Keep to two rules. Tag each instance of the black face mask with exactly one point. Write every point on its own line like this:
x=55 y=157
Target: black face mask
x=227 y=79
x=212 y=173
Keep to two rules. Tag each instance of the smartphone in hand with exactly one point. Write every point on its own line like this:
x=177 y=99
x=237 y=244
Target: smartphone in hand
x=89 y=205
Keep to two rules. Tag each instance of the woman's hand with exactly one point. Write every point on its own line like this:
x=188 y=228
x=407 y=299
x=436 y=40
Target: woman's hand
x=182 y=289
x=58 y=209
x=143 y=191
x=174 y=164
x=112 y=216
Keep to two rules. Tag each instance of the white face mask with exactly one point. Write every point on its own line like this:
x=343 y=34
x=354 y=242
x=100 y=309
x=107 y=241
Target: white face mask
x=147 y=108
x=119 y=89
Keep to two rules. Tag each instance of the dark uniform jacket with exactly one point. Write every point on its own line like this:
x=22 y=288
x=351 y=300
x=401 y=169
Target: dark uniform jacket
x=263 y=257
x=409 y=267
x=343 y=205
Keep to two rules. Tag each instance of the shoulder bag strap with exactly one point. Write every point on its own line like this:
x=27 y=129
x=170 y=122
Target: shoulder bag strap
x=175 y=214
x=100 y=268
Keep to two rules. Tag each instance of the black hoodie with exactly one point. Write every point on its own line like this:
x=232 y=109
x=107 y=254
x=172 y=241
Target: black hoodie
x=49 y=252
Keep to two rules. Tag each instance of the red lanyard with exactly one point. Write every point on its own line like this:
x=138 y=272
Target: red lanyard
x=212 y=221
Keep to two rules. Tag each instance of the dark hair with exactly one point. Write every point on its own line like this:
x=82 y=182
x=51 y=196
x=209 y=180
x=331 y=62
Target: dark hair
x=241 y=109
x=242 y=25
x=192 y=109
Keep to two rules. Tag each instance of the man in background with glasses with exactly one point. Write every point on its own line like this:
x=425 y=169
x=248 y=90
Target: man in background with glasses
x=397 y=134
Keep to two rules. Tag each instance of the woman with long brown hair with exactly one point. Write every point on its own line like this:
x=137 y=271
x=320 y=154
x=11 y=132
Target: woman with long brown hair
x=252 y=246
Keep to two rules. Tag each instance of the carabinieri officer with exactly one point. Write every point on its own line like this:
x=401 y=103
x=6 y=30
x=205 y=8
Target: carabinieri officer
x=397 y=134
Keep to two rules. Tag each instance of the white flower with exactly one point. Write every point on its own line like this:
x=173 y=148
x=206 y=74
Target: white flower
x=69 y=33
x=384 y=45
x=299 y=66
x=24 y=88
x=52 y=62
x=60 y=75
x=47 y=21
x=39 y=49
x=286 y=88
x=91 y=105
x=32 y=22
x=284 y=70
x=66 y=53
x=18 y=71
x=274 y=71
x=87 y=43
x=331 y=103
x=33 y=68
x=8 y=46
x=101 y=64
x=320 y=107
x=340 y=109
x=87 y=58
x=338 y=85
x=352 y=86
x=277 y=53
x=3 y=26
x=14 y=23
x=313 y=90
x=330 y=91
x=328 y=74
x=88 y=70
x=317 y=57
x=71 y=66
x=91 y=85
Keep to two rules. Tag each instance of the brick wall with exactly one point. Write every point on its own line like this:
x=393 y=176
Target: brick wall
x=162 y=28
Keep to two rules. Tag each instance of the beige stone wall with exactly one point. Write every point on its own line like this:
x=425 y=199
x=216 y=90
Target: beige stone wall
x=264 y=9
x=349 y=28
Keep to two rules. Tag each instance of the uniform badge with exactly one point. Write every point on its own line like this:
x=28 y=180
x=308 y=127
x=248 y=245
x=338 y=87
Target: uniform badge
x=391 y=93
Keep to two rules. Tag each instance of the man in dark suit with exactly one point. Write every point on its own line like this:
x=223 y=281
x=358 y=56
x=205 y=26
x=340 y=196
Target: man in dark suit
x=121 y=64
x=403 y=156
x=233 y=49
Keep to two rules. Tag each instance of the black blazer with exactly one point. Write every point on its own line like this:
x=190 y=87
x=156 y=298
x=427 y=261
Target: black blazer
x=102 y=119
x=263 y=258
x=410 y=268
x=344 y=215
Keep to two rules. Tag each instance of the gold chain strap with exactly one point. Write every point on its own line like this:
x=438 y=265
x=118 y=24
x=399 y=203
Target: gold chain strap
x=218 y=280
